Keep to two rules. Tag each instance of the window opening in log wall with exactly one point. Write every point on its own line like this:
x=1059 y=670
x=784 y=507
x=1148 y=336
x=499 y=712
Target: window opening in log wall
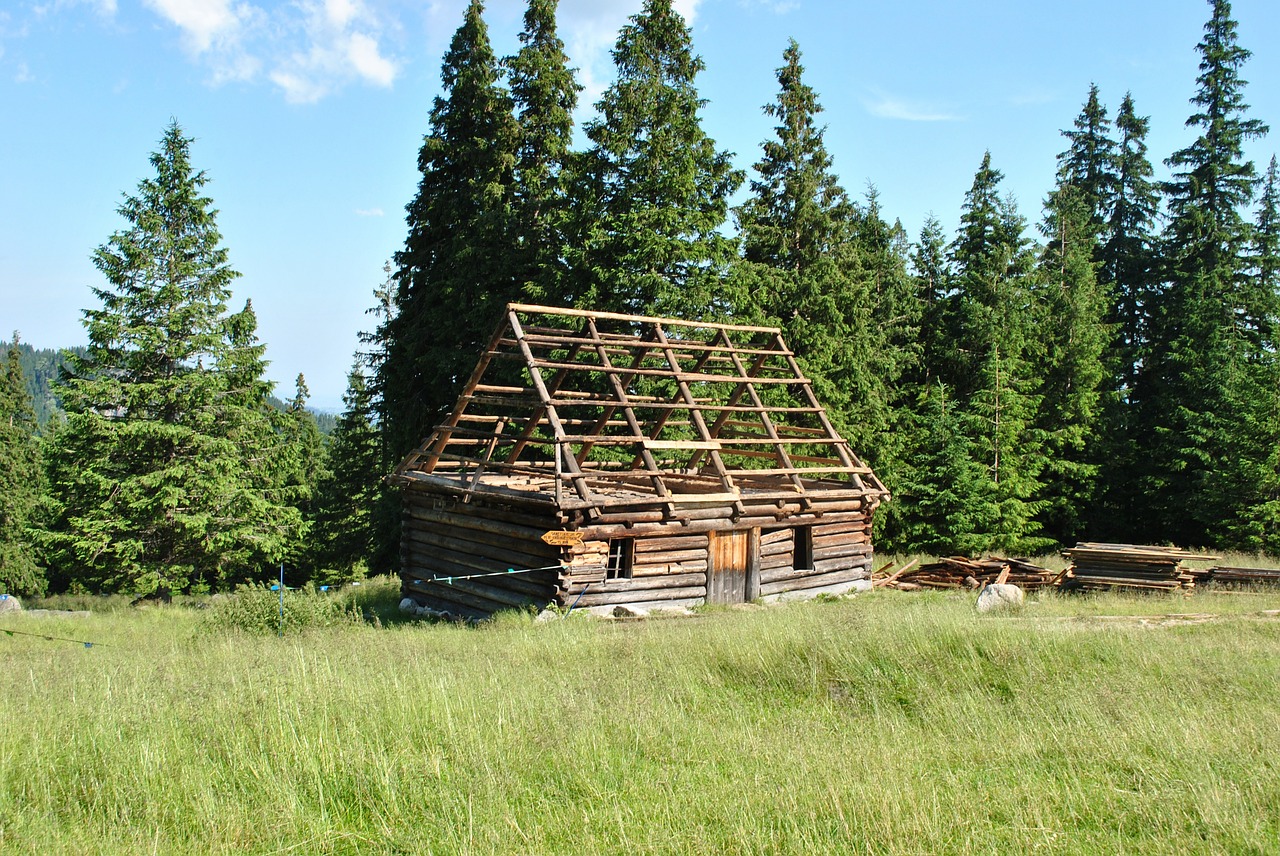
x=803 y=555
x=622 y=553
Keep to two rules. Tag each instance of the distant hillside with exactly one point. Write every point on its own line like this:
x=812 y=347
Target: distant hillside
x=40 y=367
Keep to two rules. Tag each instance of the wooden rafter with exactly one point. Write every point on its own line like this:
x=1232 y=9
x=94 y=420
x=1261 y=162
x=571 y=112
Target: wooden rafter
x=627 y=410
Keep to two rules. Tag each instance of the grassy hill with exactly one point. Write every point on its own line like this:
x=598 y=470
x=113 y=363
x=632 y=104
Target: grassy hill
x=891 y=723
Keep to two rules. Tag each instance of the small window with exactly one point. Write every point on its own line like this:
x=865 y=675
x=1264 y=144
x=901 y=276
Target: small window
x=803 y=555
x=622 y=553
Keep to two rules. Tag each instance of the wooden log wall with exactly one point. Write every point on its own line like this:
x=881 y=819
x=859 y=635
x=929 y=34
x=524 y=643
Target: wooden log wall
x=667 y=570
x=841 y=554
x=443 y=540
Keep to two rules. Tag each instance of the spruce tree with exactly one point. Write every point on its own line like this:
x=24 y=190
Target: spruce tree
x=999 y=388
x=799 y=267
x=1200 y=390
x=545 y=94
x=459 y=263
x=653 y=189
x=348 y=492
x=1073 y=374
x=157 y=471
x=1089 y=163
x=21 y=482
x=1128 y=262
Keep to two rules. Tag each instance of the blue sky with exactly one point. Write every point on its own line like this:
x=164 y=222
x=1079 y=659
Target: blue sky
x=308 y=116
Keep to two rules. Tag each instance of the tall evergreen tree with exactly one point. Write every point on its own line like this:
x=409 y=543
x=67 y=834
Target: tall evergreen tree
x=1088 y=164
x=21 y=482
x=459 y=263
x=349 y=491
x=799 y=268
x=154 y=471
x=545 y=95
x=653 y=188
x=1200 y=389
x=1073 y=374
x=995 y=314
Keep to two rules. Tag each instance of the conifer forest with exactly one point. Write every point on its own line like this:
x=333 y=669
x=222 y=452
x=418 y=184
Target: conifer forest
x=1103 y=368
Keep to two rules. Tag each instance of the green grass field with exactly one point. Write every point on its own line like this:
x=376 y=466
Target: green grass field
x=891 y=723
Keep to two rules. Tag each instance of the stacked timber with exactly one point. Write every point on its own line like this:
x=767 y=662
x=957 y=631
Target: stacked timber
x=1229 y=576
x=1131 y=566
x=960 y=572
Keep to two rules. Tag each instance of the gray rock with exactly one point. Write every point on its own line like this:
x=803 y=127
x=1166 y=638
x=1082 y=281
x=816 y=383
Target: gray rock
x=624 y=610
x=547 y=615
x=998 y=596
x=408 y=605
x=9 y=603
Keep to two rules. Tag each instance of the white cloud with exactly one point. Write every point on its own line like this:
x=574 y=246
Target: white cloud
x=204 y=22
x=308 y=48
x=341 y=38
x=23 y=74
x=370 y=212
x=890 y=107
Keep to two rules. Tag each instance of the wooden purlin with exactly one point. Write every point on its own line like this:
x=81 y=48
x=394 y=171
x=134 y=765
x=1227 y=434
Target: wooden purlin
x=581 y=378
x=698 y=422
x=619 y=389
x=440 y=437
x=584 y=492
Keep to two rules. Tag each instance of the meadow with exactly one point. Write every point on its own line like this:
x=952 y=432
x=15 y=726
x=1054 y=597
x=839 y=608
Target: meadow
x=888 y=723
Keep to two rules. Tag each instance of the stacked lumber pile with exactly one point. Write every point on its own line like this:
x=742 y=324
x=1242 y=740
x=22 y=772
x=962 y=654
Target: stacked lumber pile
x=958 y=572
x=1242 y=576
x=1131 y=566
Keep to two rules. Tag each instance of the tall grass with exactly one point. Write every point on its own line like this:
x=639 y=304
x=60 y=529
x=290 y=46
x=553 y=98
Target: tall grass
x=893 y=723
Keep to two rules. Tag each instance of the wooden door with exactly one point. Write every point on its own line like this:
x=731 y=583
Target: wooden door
x=729 y=566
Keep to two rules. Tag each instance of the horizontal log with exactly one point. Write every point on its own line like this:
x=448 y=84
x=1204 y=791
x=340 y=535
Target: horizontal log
x=660 y=544
x=823 y=529
x=478 y=588
x=778 y=548
x=661 y=570
x=675 y=603
x=512 y=552
x=842 y=563
x=774 y=536
x=774 y=562
x=813 y=581
x=784 y=574
x=635 y=595
x=840 y=552
x=478 y=520
x=423 y=566
x=475 y=602
x=642 y=584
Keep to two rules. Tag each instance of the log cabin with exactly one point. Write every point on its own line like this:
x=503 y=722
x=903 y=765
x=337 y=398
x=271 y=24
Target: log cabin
x=596 y=459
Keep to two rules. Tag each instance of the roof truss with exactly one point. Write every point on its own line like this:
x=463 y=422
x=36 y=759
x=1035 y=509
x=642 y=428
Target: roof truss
x=602 y=409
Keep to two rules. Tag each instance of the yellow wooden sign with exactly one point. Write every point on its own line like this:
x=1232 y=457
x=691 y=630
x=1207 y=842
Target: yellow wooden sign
x=561 y=538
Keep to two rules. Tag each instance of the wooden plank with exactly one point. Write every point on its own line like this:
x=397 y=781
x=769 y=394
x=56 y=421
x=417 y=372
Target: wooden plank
x=655 y=445
x=534 y=309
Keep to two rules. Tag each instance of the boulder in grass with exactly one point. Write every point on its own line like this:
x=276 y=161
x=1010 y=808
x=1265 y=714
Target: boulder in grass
x=408 y=605
x=1000 y=596
x=9 y=603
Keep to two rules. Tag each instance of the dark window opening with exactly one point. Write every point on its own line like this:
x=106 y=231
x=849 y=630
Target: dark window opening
x=803 y=555
x=622 y=553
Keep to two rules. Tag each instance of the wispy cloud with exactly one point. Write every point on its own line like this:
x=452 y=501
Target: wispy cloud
x=23 y=74
x=308 y=49
x=341 y=38
x=778 y=7
x=889 y=106
x=370 y=212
